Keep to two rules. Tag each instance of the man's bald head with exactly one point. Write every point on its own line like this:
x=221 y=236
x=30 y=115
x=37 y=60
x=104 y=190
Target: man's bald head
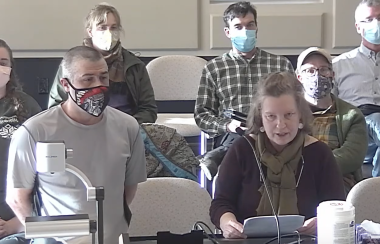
x=75 y=54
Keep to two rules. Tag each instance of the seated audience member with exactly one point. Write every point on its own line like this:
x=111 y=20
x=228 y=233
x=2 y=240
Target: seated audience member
x=357 y=74
x=300 y=171
x=15 y=108
x=130 y=88
x=227 y=82
x=109 y=152
x=337 y=123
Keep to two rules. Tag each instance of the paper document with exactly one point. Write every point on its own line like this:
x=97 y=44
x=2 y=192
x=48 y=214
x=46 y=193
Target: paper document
x=265 y=226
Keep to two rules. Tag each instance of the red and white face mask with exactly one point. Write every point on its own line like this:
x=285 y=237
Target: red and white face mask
x=92 y=100
x=5 y=73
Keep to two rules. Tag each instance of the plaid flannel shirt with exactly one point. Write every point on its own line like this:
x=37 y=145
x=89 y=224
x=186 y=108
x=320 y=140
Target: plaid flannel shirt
x=227 y=82
x=324 y=127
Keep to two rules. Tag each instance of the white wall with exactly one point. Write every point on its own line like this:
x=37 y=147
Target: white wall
x=47 y=28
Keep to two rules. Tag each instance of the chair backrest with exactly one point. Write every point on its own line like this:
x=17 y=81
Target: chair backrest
x=365 y=197
x=175 y=77
x=168 y=204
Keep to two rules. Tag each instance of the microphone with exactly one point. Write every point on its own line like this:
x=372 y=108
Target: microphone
x=266 y=190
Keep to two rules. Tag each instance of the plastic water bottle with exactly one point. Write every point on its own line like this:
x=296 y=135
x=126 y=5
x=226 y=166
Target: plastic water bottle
x=336 y=223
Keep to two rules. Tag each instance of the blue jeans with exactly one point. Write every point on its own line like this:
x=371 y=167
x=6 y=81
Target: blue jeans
x=373 y=152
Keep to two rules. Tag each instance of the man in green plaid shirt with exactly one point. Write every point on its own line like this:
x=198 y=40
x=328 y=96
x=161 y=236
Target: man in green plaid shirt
x=228 y=81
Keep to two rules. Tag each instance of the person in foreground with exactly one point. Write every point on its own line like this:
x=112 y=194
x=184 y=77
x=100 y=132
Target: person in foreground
x=15 y=108
x=130 y=88
x=110 y=153
x=337 y=123
x=300 y=171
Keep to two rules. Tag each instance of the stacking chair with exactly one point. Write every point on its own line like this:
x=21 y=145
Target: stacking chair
x=365 y=197
x=175 y=80
x=168 y=204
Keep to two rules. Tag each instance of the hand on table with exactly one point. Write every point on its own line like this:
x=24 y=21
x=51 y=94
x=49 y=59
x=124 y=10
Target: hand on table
x=9 y=227
x=231 y=228
x=309 y=227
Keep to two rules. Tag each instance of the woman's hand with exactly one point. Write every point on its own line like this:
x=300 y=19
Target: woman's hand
x=309 y=227
x=231 y=228
x=10 y=227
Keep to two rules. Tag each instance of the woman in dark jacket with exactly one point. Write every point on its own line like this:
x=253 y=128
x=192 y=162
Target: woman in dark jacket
x=130 y=87
x=300 y=171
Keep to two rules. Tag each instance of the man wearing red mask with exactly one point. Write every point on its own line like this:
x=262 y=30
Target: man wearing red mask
x=107 y=146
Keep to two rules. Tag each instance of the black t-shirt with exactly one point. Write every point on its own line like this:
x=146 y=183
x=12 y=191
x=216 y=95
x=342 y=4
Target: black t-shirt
x=9 y=122
x=120 y=98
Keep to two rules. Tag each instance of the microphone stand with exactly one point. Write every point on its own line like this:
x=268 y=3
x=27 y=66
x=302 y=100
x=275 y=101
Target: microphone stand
x=99 y=195
x=266 y=190
x=93 y=193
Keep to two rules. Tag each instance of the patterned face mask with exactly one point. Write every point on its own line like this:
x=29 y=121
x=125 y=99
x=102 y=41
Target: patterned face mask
x=92 y=100
x=317 y=86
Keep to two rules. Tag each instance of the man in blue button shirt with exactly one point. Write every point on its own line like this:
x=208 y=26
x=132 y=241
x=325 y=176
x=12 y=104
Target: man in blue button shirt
x=357 y=74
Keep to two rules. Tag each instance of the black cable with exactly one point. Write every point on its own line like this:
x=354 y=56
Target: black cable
x=290 y=235
x=266 y=190
x=200 y=224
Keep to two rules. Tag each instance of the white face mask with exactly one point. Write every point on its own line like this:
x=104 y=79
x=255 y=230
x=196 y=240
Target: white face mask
x=105 y=40
x=5 y=72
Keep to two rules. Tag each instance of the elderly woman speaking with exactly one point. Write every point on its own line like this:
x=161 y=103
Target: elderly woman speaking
x=300 y=171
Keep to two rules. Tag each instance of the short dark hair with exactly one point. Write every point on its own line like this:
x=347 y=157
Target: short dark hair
x=237 y=10
x=78 y=53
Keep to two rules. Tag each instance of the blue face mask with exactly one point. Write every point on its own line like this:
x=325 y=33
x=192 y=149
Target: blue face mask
x=372 y=32
x=244 y=40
